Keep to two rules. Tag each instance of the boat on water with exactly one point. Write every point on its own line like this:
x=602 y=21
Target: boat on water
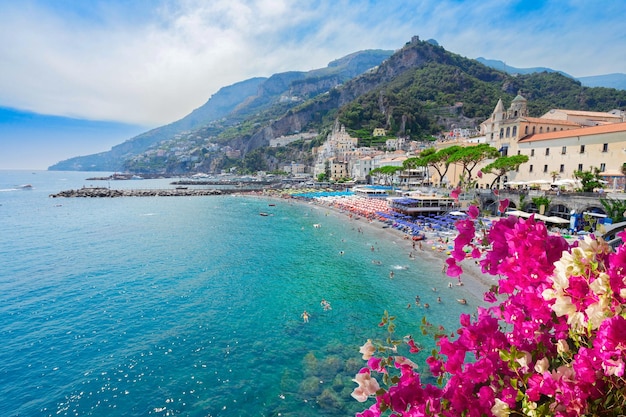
x=263 y=213
x=25 y=187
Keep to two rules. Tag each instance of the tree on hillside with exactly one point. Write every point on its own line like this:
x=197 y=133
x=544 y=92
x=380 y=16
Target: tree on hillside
x=385 y=173
x=469 y=157
x=590 y=180
x=504 y=164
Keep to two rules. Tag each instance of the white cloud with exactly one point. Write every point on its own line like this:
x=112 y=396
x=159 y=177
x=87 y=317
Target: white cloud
x=154 y=66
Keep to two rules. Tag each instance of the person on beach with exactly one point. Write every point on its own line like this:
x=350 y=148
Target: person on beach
x=305 y=316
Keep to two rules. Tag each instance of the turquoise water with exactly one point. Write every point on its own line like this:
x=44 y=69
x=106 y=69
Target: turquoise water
x=191 y=306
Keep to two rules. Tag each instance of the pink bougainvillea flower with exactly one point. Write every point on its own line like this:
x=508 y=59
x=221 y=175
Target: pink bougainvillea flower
x=473 y=212
x=411 y=343
x=504 y=204
x=455 y=193
x=479 y=174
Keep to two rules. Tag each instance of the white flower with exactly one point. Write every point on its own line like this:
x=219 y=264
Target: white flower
x=401 y=360
x=542 y=365
x=562 y=346
x=367 y=385
x=524 y=360
x=500 y=408
x=367 y=350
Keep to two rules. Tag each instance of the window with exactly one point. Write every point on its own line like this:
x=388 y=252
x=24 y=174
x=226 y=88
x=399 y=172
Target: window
x=541 y=129
x=545 y=168
x=526 y=130
x=580 y=167
x=532 y=152
x=562 y=168
x=547 y=151
x=563 y=150
x=582 y=148
x=508 y=132
x=605 y=147
x=514 y=131
x=530 y=169
x=534 y=129
x=602 y=167
x=501 y=132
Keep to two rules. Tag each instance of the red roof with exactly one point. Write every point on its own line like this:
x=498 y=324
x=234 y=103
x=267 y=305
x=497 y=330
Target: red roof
x=583 y=131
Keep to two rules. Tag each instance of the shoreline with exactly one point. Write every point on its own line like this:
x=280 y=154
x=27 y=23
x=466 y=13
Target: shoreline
x=473 y=281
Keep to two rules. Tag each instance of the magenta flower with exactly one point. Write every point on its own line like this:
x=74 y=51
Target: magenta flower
x=504 y=204
x=553 y=341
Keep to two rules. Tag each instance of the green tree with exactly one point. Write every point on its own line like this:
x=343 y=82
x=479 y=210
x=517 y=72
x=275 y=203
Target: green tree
x=590 y=180
x=615 y=209
x=385 y=173
x=438 y=160
x=504 y=164
x=470 y=156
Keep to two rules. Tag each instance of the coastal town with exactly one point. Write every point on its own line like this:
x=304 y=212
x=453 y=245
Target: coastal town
x=558 y=146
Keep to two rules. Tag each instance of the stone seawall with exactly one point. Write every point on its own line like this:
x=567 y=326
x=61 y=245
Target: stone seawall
x=110 y=193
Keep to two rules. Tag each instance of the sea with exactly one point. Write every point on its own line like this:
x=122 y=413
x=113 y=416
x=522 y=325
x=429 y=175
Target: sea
x=192 y=306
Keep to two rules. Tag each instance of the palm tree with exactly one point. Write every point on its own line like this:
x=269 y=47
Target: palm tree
x=554 y=175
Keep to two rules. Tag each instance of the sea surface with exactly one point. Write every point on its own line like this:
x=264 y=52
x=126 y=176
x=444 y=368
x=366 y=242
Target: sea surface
x=191 y=306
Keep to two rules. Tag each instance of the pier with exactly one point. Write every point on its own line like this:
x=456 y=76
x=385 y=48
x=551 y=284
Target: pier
x=101 y=192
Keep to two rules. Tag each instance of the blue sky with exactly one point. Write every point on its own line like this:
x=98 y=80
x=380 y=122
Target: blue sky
x=125 y=66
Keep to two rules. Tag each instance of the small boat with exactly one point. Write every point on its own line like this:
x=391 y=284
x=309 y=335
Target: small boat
x=25 y=187
x=272 y=205
x=263 y=214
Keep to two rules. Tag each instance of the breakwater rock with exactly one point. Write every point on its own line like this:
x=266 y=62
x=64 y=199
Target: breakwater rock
x=110 y=193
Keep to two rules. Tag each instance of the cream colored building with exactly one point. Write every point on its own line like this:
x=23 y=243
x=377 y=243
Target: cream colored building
x=602 y=147
x=561 y=141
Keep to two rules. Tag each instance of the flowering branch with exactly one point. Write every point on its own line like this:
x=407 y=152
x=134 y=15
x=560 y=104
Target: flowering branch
x=553 y=341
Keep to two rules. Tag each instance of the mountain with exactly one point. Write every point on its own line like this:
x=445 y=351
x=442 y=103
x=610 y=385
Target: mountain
x=617 y=80
x=232 y=105
x=416 y=92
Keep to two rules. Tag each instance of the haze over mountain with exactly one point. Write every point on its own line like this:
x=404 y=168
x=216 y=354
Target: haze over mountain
x=616 y=80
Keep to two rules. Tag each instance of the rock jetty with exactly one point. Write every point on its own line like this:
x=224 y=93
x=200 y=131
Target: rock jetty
x=110 y=193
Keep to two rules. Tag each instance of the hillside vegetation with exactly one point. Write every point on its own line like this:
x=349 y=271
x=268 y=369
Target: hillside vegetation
x=419 y=91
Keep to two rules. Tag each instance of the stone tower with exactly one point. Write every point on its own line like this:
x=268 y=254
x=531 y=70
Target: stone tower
x=518 y=108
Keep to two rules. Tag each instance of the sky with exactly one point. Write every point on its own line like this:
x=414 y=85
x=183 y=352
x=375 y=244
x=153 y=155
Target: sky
x=80 y=76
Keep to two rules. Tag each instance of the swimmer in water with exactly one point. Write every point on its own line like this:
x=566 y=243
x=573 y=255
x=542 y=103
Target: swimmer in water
x=391 y=274
x=305 y=316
